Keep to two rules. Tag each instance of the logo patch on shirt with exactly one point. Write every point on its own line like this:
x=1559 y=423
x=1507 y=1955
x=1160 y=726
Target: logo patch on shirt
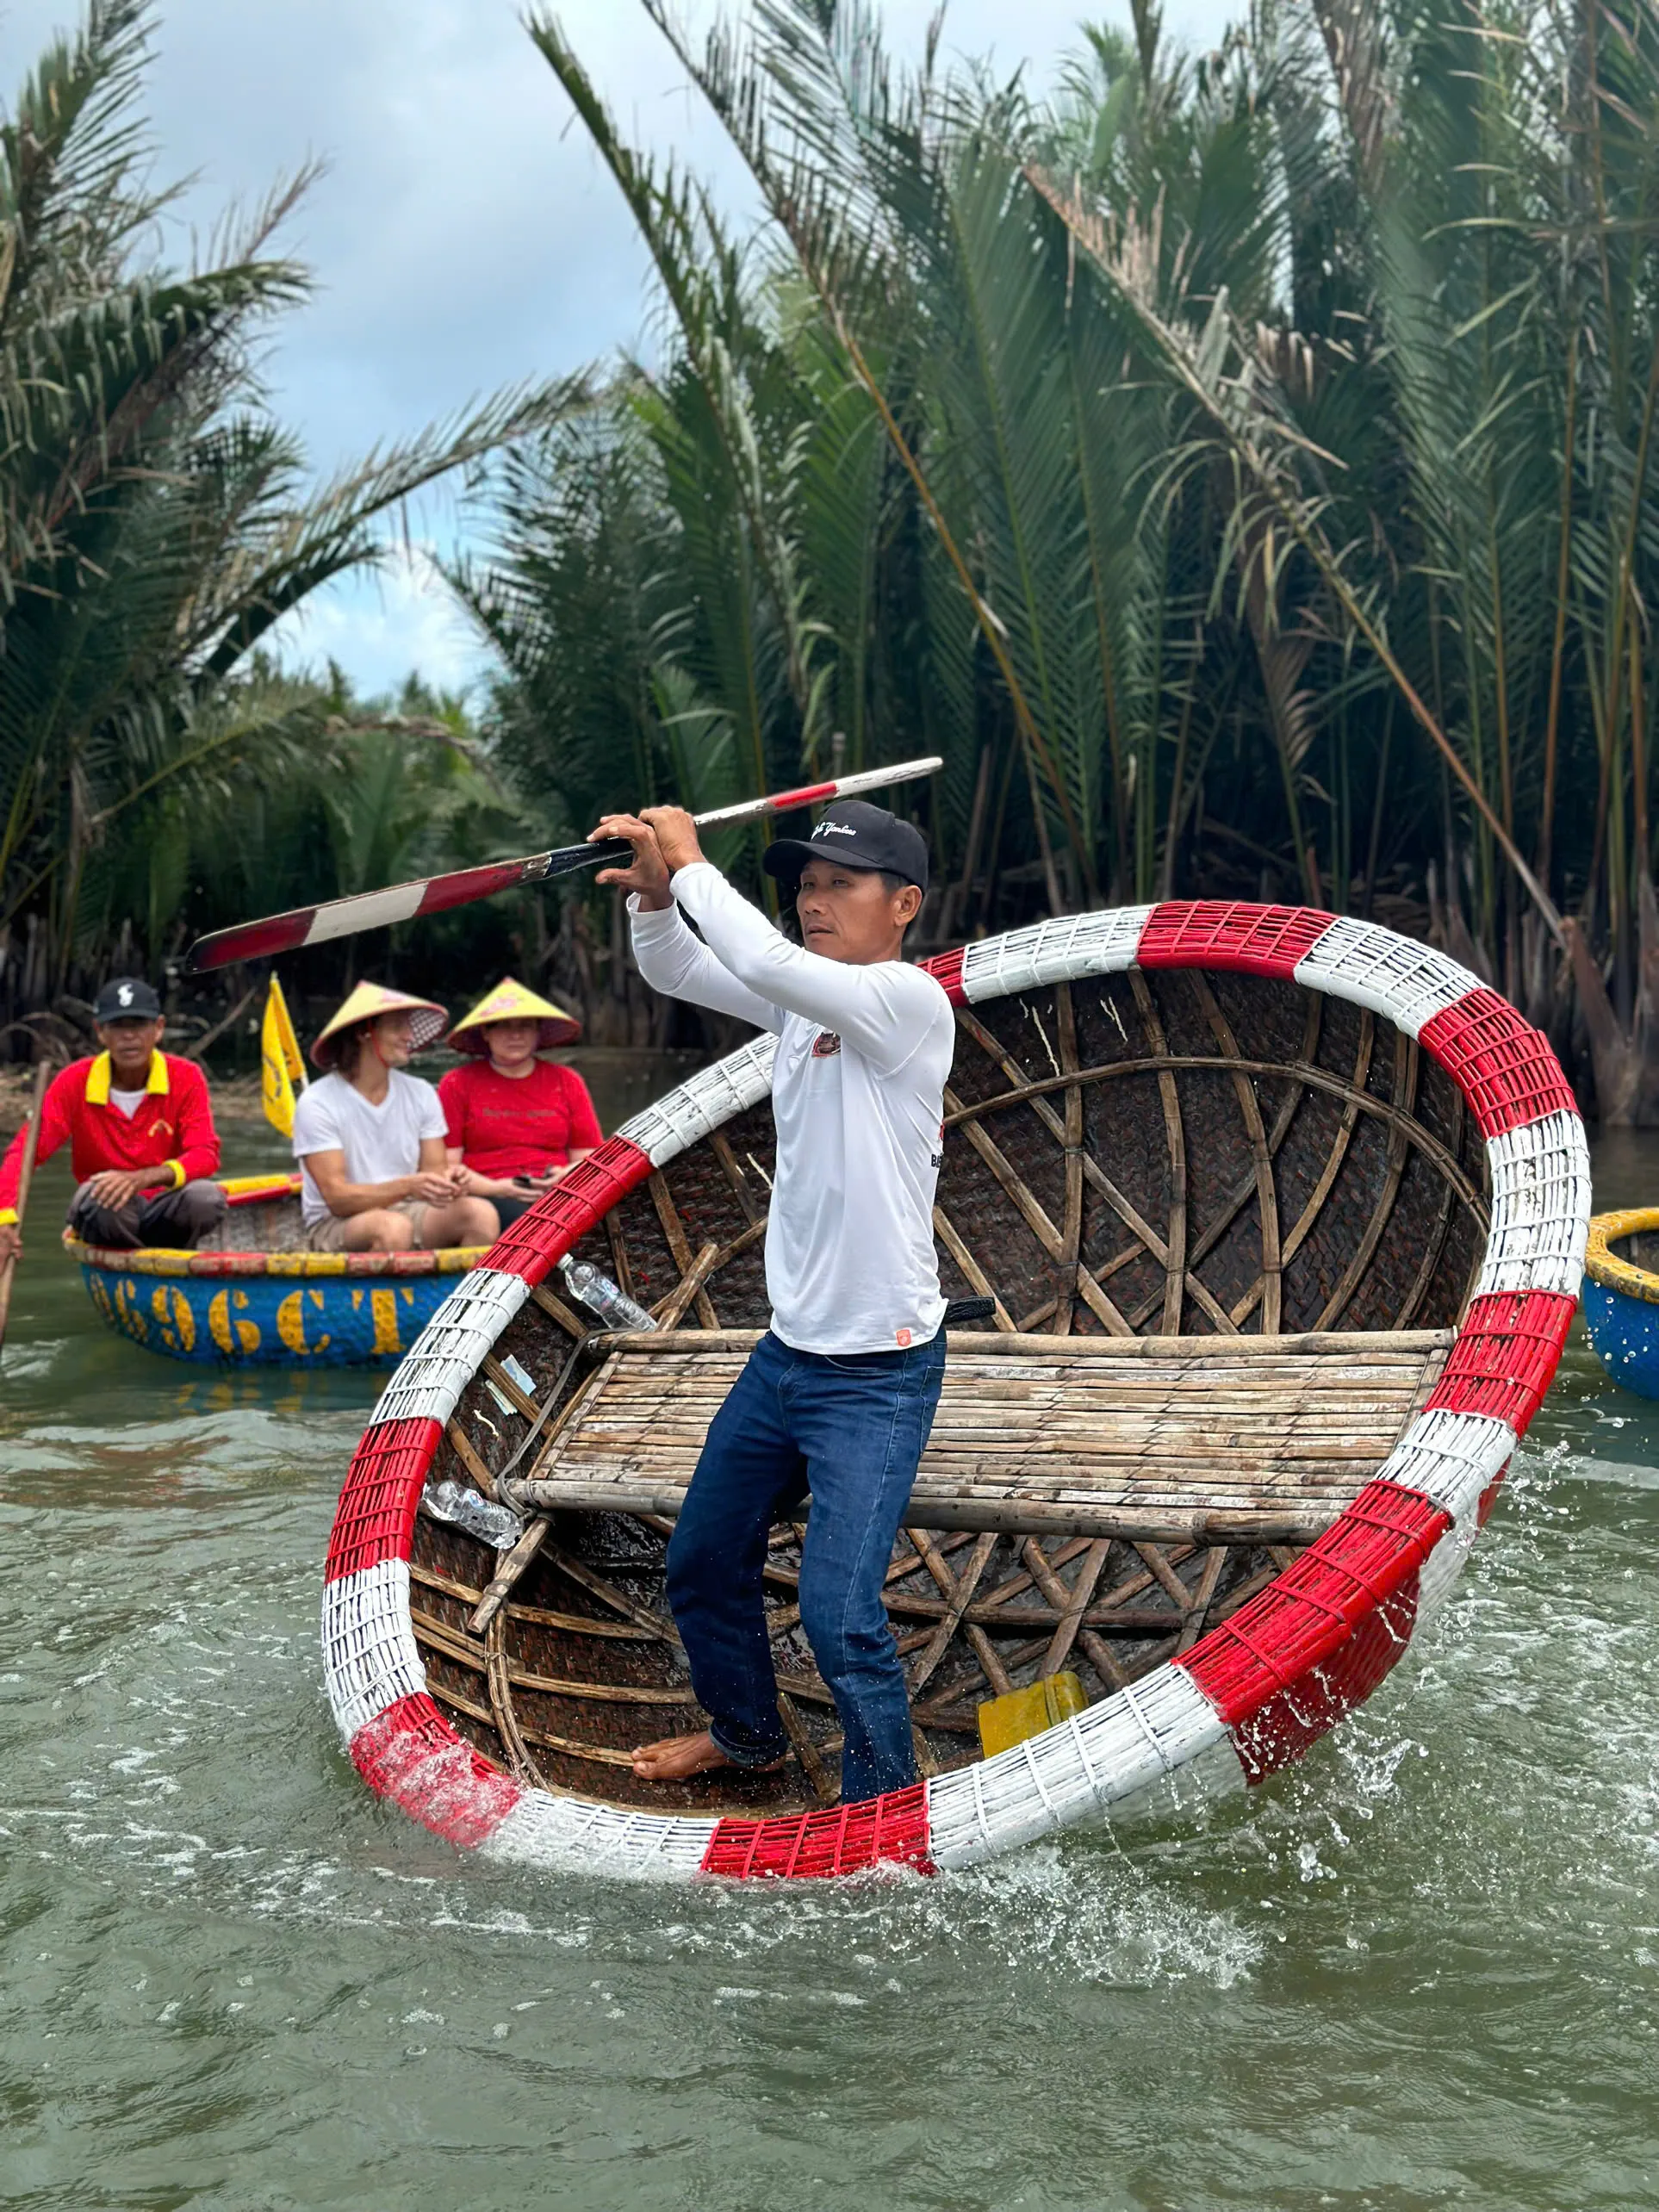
x=902 y=1338
x=825 y=1044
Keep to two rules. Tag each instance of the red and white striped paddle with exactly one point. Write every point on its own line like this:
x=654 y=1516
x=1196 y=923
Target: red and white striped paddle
x=376 y=910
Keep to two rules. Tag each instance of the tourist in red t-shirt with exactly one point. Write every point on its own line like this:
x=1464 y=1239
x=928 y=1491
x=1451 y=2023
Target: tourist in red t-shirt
x=514 y=1121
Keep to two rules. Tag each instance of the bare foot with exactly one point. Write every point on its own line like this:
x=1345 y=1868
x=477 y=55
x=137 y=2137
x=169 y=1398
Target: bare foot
x=677 y=1758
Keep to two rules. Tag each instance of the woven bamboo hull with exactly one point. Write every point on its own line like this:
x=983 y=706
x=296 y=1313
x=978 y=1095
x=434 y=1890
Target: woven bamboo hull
x=1621 y=1298
x=254 y=1297
x=1366 y=1168
x=1170 y=1161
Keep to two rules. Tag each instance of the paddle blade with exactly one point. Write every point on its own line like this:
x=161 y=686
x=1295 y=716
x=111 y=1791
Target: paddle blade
x=376 y=910
x=343 y=917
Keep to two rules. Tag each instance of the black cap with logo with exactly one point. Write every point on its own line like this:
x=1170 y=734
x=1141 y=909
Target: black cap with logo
x=127 y=998
x=855 y=834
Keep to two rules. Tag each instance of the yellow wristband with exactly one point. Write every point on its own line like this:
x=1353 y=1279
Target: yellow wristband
x=177 y=1168
x=8 y=1217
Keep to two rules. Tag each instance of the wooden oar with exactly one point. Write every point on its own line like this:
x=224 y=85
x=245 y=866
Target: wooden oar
x=376 y=910
x=42 y=1077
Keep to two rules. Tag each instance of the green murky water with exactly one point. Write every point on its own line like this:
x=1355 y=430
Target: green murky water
x=1419 y=1971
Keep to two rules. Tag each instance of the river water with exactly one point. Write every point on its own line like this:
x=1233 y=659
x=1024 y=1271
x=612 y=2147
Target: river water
x=1420 y=1970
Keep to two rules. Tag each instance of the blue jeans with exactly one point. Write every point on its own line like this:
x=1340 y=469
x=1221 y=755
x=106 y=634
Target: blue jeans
x=849 y=1428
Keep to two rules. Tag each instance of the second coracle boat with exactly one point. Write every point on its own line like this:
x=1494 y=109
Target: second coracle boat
x=252 y=1296
x=1621 y=1296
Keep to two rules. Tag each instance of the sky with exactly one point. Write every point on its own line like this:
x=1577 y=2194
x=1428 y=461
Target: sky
x=463 y=235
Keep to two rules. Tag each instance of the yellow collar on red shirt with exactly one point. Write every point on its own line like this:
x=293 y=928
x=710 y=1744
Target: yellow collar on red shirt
x=98 y=1077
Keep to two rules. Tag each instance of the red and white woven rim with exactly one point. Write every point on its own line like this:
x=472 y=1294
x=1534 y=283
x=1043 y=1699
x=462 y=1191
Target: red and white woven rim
x=1254 y=1692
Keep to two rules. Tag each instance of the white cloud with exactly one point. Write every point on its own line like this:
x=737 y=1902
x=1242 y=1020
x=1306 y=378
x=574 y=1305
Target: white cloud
x=382 y=627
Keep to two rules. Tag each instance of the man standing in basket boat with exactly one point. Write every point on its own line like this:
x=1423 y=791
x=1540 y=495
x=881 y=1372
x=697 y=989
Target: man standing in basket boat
x=839 y=1395
x=370 y=1139
x=141 y=1138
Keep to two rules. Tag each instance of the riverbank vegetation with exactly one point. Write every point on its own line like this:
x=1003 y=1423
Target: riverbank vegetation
x=1237 y=464
x=157 y=767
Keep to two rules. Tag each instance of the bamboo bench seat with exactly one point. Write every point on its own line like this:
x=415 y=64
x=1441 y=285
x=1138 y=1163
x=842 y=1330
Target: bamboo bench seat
x=1157 y=1439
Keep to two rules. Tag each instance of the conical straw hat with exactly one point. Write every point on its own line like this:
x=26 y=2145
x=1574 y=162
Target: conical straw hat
x=368 y=1000
x=511 y=1002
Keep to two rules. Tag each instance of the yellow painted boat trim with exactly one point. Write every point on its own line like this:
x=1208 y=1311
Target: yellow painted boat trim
x=275 y=1182
x=155 y=1259
x=1605 y=1266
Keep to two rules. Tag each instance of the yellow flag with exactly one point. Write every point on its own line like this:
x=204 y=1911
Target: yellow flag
x=280 y=1052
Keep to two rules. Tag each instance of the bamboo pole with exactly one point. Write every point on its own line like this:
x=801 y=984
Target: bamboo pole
x=42 y=1077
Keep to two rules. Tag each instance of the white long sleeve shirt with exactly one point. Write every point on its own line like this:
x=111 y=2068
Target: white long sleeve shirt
x=858 y=1096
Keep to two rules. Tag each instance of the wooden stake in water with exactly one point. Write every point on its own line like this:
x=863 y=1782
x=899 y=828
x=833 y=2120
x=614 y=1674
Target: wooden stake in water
x=42 y=1076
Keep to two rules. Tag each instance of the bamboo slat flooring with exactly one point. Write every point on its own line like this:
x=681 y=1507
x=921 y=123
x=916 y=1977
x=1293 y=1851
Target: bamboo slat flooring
x=1162 y=1438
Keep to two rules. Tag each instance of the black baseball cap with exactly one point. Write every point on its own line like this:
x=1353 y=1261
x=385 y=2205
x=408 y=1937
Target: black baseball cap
x=855 y=834
x=127 y=998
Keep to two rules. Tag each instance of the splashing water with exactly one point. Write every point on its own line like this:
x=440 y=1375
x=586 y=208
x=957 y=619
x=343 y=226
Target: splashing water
x=1419 y=1969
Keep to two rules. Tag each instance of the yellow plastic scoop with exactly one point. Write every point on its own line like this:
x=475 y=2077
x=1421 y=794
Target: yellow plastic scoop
x=1020 y=1713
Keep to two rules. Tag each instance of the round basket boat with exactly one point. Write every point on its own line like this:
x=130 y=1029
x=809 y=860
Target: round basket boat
x=1284 y=1217
x=252 y=1294
x=1621 y=1296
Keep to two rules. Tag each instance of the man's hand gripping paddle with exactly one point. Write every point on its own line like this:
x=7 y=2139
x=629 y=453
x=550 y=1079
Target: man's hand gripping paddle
x=376 y=910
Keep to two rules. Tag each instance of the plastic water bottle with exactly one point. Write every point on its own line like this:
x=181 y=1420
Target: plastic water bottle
x=606 y=1300
x=480 y=1516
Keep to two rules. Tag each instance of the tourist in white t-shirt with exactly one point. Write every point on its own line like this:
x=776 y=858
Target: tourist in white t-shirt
x=371 y=1140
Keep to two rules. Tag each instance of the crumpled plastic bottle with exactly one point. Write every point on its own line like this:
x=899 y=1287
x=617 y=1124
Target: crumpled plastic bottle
x=606 y=1300
x=484 y=1518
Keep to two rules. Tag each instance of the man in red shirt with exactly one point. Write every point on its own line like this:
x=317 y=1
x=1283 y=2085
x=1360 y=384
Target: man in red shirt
x=141 y=1138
